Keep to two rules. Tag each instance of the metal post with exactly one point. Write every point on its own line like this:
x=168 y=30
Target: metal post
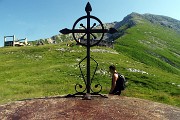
x=25 y=41
x=88 y=56
x=4 y=41
x=13 y=40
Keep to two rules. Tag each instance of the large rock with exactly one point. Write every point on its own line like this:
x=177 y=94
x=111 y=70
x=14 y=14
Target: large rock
x=114 y=107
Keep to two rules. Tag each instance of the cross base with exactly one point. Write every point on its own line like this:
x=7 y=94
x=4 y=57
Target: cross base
x=86 y=96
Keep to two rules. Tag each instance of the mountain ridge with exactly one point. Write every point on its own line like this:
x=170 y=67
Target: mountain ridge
x=157 y=19
x=130 y=20
x=135 y=18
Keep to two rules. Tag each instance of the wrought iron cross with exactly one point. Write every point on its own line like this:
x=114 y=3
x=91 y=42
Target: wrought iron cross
x=88 y=32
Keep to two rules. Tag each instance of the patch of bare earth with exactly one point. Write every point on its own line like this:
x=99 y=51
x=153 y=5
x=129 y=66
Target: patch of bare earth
x=112 y=108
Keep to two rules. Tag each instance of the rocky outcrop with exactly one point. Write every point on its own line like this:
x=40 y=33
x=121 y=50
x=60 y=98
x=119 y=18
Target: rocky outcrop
x=112 y=108
x=164 y=21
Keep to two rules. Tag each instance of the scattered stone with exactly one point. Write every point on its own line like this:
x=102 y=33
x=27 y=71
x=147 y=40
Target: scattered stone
x=38 y=56
x=61 y=49
x=102 y=72
x=78 y=59
x=104 y=51
x=173 y=83
x=75 y=51
x=136 y=70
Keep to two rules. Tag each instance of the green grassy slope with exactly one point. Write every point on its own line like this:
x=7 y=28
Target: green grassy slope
x=50 y=70
x=153 y=45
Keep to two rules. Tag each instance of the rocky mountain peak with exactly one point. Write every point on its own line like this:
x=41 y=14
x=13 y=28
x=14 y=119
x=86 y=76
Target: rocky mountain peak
x=164 y=21
x=134 y=18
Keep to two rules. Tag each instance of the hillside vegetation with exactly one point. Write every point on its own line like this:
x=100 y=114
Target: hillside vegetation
x=51 y=70
x=145 y=51
x=153 y=45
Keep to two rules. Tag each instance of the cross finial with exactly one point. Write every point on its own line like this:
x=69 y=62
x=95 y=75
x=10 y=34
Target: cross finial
x=88 y=7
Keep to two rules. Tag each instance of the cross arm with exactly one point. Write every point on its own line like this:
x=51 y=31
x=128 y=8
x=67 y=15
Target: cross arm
x=67 y=31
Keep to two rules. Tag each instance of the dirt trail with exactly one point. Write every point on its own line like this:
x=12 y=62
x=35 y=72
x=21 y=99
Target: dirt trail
x=112 y=108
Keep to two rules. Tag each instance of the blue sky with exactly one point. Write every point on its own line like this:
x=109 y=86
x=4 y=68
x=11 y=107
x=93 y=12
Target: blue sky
x=35 y=19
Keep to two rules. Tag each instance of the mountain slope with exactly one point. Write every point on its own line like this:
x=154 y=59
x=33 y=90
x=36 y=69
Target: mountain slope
x=150 y=43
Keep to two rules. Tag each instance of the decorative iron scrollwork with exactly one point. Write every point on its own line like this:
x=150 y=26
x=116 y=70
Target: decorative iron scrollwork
x=81 y=87
x=95 y=86
x=101 y=31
